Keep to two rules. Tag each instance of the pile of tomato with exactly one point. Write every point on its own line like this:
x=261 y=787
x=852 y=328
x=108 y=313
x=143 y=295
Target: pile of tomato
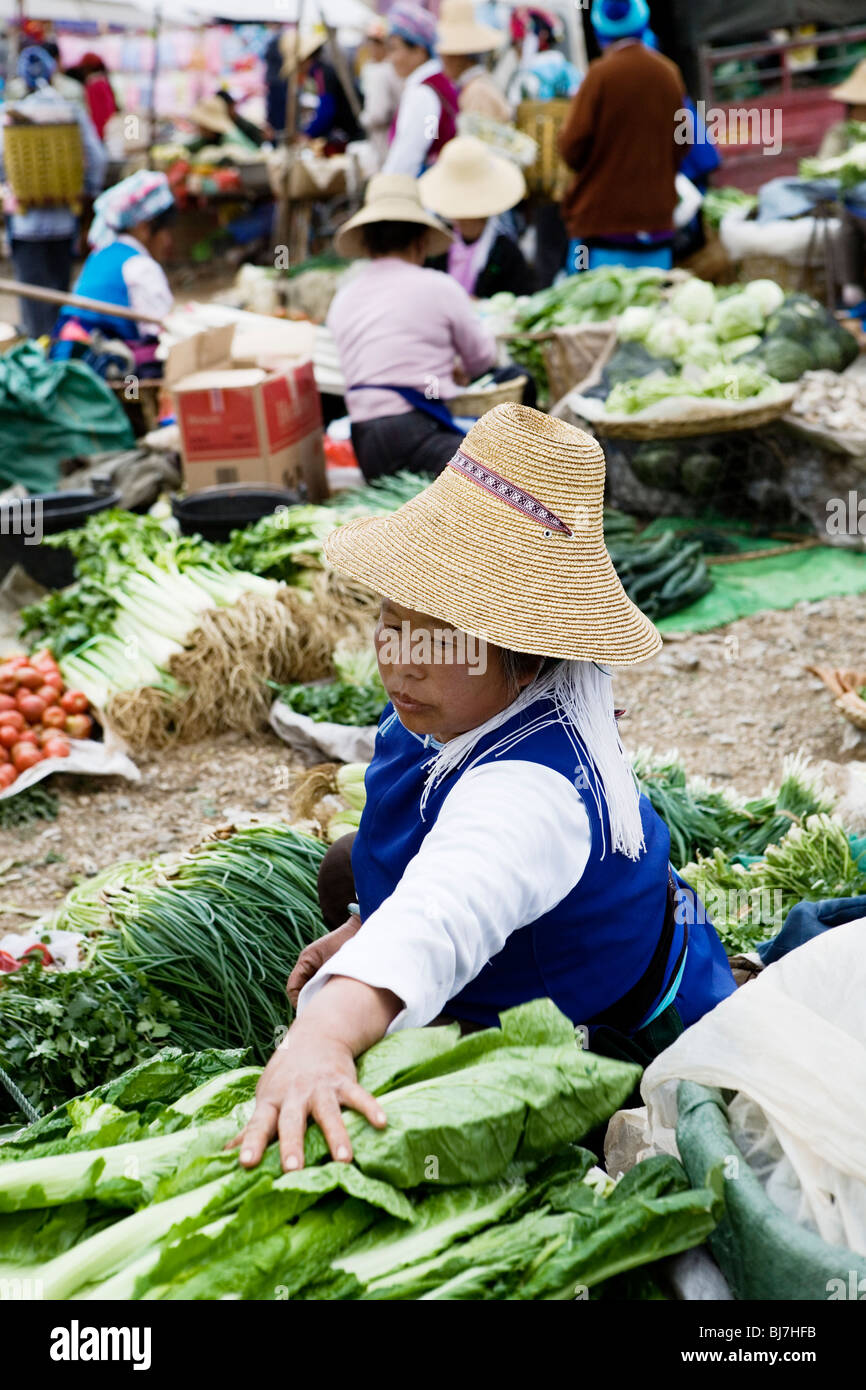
x=38 y=715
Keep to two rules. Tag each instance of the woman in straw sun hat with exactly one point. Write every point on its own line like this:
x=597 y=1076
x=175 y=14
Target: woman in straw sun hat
x=461 y=43
x=399 y=328
x=471 y=186
x=504 y=853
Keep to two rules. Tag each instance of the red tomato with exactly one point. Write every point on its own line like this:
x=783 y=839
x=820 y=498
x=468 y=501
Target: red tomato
x=31 y=707
x=55 y=748
x=9 y=736
x=7 y=702
x=53 y=718
x=74 y=702
x=8 y=963
x=79 y=725
x=25 y=755
x=8 y=775
x=8 y=681
x=16 y=661
x=54 y=679
x=48 y=694
x=4 y=755
x=31 y=678
x=25 y=736
x=44 y=660
x=14 y=719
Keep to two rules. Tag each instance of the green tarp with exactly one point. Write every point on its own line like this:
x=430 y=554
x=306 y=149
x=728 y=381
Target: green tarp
x=762 y=1253
x=50 y=412
x=744 y=587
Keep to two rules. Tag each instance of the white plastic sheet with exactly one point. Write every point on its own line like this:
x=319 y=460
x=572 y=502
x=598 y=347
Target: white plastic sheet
x=339 y=743
x=792 y=1044
x=86 y=756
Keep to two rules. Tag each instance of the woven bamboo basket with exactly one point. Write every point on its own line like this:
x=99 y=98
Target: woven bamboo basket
x=747 y=418
x=549 y=175
x=44 y=164
x=808 y=279
x=477 y=403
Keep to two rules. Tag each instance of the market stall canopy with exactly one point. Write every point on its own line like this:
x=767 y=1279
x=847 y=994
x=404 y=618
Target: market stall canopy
x=737 y=21
x=339 y=14
x=130 y=14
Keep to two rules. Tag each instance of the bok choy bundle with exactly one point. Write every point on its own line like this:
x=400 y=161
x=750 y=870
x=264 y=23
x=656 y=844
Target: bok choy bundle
x=475 y=1189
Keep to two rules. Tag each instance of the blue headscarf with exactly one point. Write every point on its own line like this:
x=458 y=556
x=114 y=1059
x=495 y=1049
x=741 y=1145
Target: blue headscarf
x=619 y=19
x=35 y=65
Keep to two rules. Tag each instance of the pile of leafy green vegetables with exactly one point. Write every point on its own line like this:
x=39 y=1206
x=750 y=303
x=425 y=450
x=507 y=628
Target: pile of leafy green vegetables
x=475 y=1190
x=356 y=697
x=193 y=950
x=593 y=296
x=736 y=342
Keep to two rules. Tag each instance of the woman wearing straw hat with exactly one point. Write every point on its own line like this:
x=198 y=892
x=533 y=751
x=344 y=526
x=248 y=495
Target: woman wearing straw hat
x=461 y=43
x=427 y=115
x=471 y=187
x=399 y=328
x=504 y=853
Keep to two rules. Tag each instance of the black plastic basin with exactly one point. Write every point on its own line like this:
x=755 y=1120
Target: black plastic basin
x=51 y=512
x=217 y=511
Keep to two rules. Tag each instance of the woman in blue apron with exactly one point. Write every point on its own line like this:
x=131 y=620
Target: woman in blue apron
x=401 y=331
x=504 y=853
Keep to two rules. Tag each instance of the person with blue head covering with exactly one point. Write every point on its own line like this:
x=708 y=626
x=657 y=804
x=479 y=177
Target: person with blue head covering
x=42 y=233
x=619 y=139
x=613 y=20
x=131 y=239
x=36 y=67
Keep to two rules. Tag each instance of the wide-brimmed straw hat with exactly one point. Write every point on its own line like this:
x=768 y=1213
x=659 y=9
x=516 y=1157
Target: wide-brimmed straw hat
x=853 y=89
x=391 y=198
x=469 y=180
x=212 y=114
x=459 y=32
x=507 y=545
x=296 y=49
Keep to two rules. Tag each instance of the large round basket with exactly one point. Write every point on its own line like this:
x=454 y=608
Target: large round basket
x=747 y=418
x=478 y=402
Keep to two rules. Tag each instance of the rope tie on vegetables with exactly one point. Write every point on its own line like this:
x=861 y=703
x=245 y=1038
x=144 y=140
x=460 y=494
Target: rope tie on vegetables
x=19 y=1098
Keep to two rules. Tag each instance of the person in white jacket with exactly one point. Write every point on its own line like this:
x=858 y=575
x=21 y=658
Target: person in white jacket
x=381 y=89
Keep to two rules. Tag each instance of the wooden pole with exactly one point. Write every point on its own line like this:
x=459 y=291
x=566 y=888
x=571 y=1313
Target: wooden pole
x=154 y=76
x=75 y=301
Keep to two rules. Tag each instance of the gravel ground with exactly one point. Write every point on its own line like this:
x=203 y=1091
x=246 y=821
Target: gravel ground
x=734 y=702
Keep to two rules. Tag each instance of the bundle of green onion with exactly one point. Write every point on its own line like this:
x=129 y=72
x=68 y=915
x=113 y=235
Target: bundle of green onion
x=220 y=933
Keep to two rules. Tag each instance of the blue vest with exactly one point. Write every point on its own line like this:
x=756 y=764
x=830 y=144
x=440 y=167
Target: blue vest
x=101 y=277
x=586 y=953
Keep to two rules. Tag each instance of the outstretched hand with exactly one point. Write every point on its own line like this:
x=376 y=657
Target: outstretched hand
x=312 y=1074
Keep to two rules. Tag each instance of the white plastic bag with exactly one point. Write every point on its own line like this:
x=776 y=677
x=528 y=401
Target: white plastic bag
x=108 y=759
x=792 y=1043
x=339 y=743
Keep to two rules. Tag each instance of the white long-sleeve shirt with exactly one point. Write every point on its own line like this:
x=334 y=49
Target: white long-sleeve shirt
x=511 y=841
x=150 y=294
x=417 y=123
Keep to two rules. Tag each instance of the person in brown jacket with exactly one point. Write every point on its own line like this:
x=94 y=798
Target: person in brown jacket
x=619 y=140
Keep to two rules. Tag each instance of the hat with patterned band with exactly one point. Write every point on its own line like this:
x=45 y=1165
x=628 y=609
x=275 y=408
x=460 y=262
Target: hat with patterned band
x=507 y=544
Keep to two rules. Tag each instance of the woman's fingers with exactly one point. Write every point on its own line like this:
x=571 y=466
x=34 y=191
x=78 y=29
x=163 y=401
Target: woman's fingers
x=325 y=1110
x=291 y=1127
x=368 y=1106
x=306 y=967
x=259 y=1132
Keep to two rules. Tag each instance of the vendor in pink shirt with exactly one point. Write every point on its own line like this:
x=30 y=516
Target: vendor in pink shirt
x=401 y=332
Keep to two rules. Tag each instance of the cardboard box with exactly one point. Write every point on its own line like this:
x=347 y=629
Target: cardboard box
x=256 y=422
